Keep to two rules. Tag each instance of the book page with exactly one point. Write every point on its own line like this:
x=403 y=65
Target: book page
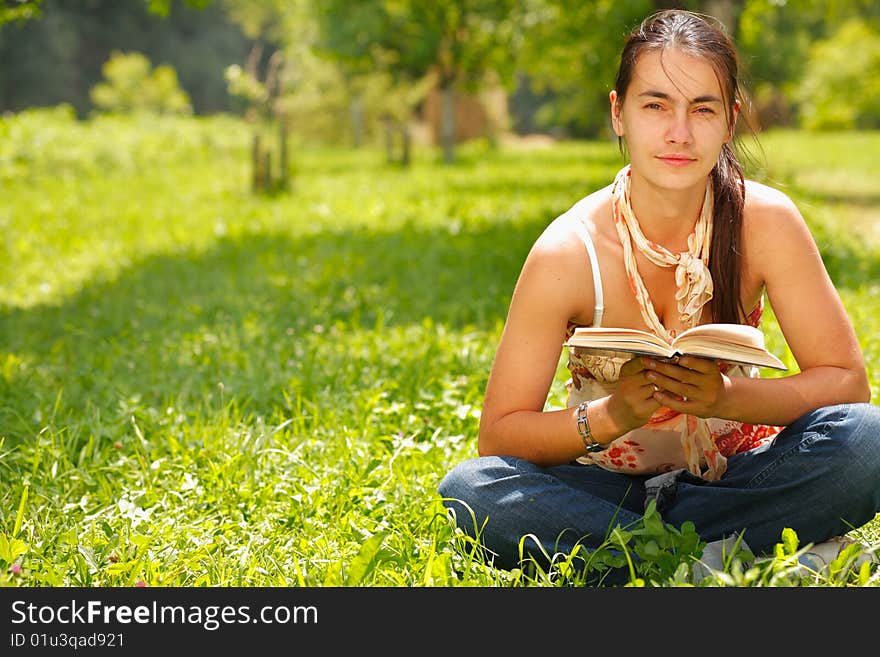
x=742 y=334
x=737 y=343
x=590 y=336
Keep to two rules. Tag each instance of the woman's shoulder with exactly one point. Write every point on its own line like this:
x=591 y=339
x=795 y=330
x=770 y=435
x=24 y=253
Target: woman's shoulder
x=771 y=221
x=568 y=229
x=569 y=246
x=559 y=260
x=762 y=198
x=769 y=210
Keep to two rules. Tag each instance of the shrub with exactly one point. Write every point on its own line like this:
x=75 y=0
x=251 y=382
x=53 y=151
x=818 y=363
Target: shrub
x=132 y=85
x=840 y=89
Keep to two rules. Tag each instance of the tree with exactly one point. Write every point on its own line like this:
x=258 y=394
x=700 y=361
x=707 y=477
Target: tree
x=464 y=40
x=132 y=85
x=570 y=54
x=381 y=84
x=345 y=31
x=259 y=85
x=848 y=60
x=775 y=38
x=19 y=10
x=452 y=44
x=288 y=87
x=56 y=56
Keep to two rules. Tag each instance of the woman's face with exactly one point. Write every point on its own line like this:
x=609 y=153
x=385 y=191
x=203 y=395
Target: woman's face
x=674 y=119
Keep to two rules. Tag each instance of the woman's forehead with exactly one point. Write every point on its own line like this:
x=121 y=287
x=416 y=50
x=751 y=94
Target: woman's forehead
x=674 y=73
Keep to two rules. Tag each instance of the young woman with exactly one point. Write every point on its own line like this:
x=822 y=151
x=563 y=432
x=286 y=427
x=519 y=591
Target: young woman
x=678 y=239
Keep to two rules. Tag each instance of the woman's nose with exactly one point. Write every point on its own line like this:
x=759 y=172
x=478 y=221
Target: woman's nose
x=679 y=129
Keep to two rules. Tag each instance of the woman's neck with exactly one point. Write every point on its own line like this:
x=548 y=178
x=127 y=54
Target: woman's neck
x=666 y=217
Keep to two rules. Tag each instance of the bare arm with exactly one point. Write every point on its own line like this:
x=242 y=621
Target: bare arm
x=553 y=287
x=813 y=321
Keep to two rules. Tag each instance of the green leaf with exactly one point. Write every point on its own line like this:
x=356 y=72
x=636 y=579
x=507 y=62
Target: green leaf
x=650 y=549
x=621 y=536
x=89 y=555
x=368 y=557
x=119 y=568
x=844 y=559
x=21 y=506
x=159 y=7
x=333 y=576
x=140 y=540
x=654 y=525
x=11 y=548
x=789 y=540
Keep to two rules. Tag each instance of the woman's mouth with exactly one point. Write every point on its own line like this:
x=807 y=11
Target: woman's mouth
x=676 y=160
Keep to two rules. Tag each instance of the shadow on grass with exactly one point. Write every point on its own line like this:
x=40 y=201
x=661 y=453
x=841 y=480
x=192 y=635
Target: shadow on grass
x=262 y=314
x=850 y=265
x=869 y=200
x=254 y=313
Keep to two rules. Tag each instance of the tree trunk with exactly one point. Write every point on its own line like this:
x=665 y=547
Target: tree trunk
x=447 y=121
x=283 y=156
x=357 y=122
x=388 y=132
x=257 y=176
x=726 y=11
x=404 y=144
x=267 y=169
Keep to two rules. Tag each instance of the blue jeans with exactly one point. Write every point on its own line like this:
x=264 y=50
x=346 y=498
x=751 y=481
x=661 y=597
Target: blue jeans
x=820 y=476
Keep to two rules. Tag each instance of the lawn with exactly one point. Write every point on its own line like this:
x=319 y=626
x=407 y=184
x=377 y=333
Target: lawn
x=203 y=387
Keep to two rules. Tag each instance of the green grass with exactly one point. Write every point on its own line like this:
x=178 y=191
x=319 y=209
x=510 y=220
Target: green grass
x=203 y=387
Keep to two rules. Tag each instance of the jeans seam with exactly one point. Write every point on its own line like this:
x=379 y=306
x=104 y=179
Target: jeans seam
x=806 y=440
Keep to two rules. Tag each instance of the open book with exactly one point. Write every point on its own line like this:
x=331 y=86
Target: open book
x=736 y=343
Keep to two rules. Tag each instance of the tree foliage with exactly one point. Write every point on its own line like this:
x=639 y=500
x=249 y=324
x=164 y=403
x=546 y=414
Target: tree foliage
x=132 y=85
x=19 y=10
x=848 y=60
x=349 y=67
x=776 y=37
x=415 y=46
x=570 y=55
x=56 y=56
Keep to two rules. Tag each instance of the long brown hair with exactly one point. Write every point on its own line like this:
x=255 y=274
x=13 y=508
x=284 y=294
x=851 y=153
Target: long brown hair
x=703 y=37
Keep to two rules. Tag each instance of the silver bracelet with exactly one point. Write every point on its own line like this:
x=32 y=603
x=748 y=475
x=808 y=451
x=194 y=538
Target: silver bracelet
x=591 y=445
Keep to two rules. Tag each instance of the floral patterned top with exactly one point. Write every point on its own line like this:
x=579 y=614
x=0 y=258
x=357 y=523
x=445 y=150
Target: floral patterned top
x=657 y=446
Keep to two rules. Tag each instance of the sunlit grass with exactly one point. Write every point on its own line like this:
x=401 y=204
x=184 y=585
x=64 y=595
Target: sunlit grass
x=199 y=386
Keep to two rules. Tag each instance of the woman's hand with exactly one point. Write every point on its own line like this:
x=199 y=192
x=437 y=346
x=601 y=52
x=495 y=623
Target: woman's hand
x=691 y=385
x=633 y=401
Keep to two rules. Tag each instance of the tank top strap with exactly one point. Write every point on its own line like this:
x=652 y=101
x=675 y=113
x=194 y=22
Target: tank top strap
x=599 y=307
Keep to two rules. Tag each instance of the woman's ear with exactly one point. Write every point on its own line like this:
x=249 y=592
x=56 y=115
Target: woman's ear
x=616 y=123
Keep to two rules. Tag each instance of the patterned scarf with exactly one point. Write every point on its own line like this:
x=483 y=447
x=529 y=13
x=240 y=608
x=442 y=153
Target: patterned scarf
x=692 y=277
x=694 y=289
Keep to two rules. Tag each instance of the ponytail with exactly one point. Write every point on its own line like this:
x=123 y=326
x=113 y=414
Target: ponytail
x=725 y=256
